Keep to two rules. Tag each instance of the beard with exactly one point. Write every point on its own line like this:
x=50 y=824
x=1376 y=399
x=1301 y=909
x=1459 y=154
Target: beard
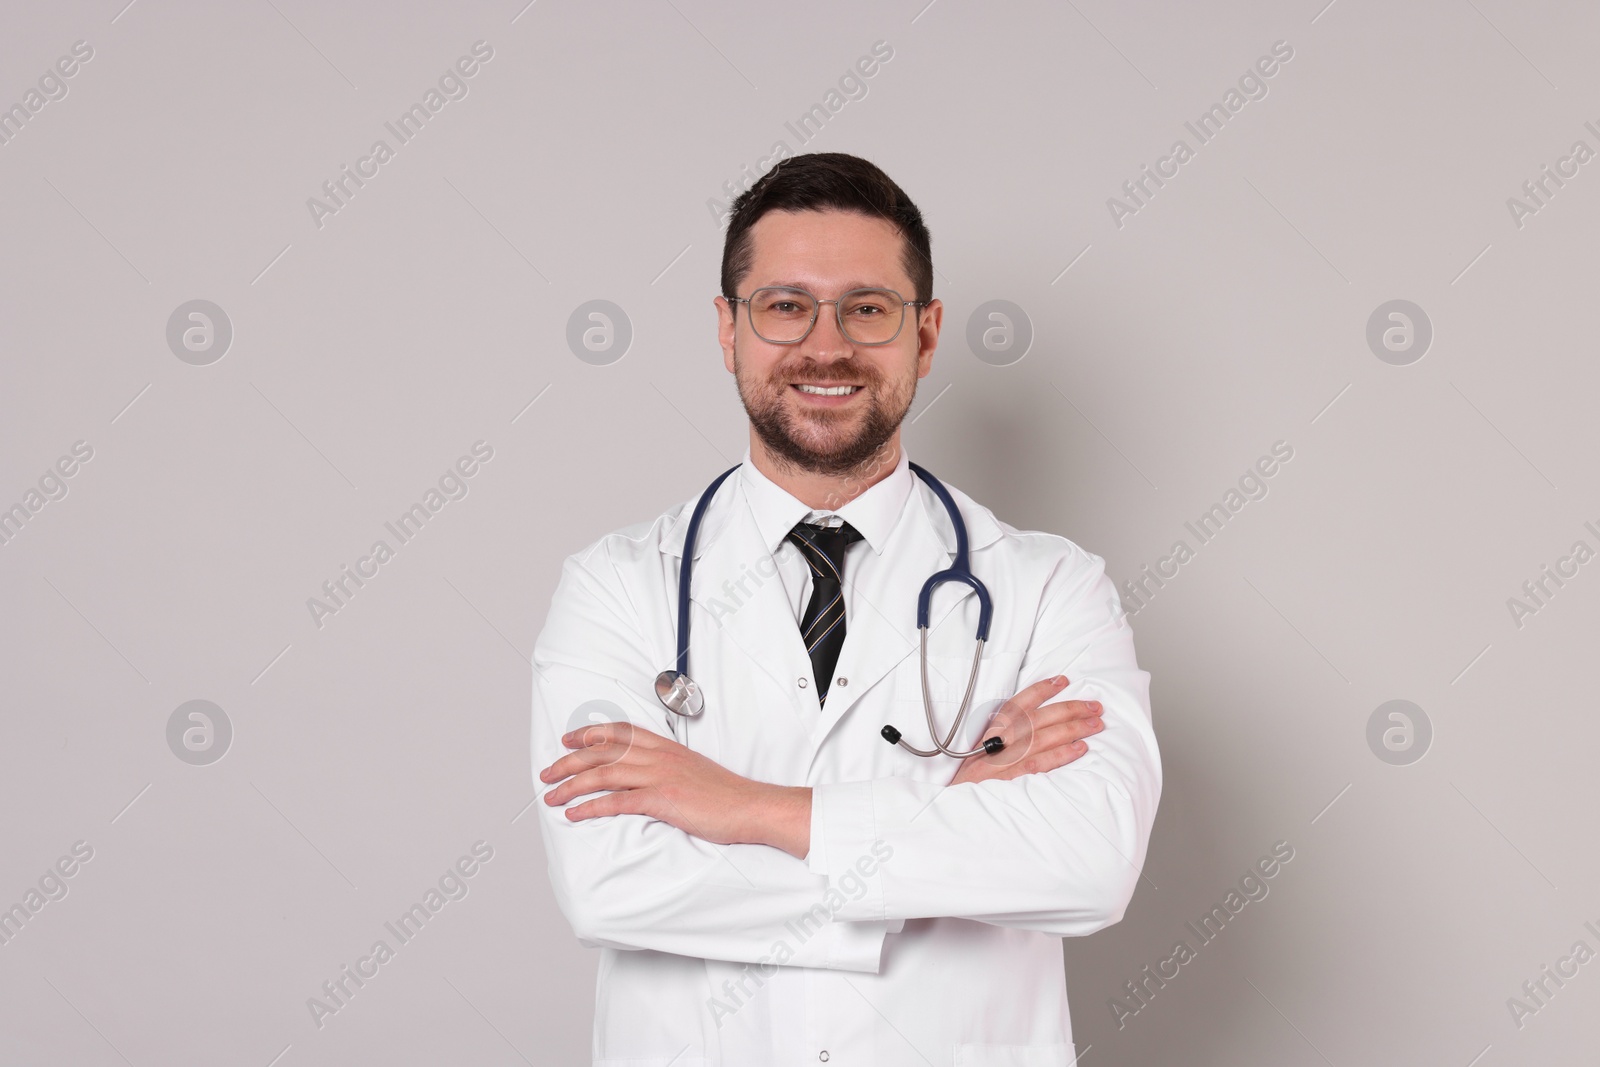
x=830 y=442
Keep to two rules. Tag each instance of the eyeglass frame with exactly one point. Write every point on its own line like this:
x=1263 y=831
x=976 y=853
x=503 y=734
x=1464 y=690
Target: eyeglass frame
x=837 y=314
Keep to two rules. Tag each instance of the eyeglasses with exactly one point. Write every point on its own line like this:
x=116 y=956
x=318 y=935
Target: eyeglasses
x=784 y=316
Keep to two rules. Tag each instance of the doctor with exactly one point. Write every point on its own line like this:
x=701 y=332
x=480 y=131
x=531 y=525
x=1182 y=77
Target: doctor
x=770 y=882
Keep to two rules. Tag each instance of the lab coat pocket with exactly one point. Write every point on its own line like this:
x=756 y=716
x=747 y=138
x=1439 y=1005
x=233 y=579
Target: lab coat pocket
x=947 y=682
x=1014 y=1055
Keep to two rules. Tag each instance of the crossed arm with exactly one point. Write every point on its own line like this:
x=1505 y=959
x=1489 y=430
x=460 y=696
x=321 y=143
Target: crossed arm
x=1049 y=834
x=659 y=778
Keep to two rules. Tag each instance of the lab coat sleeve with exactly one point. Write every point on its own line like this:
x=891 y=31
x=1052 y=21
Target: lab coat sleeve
x=632 y=882
x=1059 y=851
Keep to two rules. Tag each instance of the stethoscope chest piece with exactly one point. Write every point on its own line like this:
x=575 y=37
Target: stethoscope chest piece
x=679 y=694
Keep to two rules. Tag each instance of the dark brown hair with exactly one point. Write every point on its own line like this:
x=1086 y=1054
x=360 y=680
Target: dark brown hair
x=822 y=181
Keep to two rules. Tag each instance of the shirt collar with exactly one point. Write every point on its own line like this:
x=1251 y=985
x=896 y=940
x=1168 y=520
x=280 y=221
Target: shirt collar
x=874 y=513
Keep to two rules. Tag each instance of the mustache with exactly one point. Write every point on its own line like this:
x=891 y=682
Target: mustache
x=832 y=373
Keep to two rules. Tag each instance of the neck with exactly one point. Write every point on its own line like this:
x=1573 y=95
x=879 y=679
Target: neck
x=826 y=492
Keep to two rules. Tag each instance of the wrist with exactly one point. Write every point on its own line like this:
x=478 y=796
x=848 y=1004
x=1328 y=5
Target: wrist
x=782 y=819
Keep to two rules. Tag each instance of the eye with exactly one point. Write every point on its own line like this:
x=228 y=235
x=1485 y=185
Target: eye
x=871 y=305
x=783 y=304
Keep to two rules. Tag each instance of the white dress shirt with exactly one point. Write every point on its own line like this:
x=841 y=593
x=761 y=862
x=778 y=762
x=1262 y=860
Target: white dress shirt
x=873 y=514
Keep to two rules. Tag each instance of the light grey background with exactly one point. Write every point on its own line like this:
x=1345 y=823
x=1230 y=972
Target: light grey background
x=1168 y=354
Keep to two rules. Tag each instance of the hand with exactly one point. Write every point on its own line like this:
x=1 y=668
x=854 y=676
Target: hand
x=1037 y=738
x=655 y=776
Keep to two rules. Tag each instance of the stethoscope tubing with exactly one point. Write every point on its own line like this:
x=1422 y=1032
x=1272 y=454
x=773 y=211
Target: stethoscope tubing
x=686 y=570
x=959 y=570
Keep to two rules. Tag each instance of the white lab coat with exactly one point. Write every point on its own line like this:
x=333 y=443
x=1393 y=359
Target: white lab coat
x=924 y=925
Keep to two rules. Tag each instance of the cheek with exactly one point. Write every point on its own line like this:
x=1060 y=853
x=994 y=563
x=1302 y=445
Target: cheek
x=904 y=370
x=756 y=367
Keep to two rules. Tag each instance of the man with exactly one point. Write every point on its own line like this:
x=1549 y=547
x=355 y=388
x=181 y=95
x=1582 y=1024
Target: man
x=771 y=882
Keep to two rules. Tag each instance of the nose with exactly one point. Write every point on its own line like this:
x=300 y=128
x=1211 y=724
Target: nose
x=826 y=343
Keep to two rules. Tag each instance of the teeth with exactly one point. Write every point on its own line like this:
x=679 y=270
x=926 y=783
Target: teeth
x=835 y=390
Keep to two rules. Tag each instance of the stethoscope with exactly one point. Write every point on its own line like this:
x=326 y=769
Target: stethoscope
x=681 y=696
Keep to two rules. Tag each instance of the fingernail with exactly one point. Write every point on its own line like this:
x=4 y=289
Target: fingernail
x=1096 y=705
x=1060 y=679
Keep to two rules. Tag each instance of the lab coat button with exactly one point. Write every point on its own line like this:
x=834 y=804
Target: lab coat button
x=842 y=681
x=802 y=683
x=823 y=1055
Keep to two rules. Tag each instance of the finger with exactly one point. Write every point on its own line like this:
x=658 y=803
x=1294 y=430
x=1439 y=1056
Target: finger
x=573 y=762
x=1066 y=733
x=1066 y=711
x=594 y=736
x=1015 y=724
x=1037 y=693
x=585 y=759
x=610 y=776
x=628 y=802
x=1027 y=742
x=603 y=732
x=1046 y=760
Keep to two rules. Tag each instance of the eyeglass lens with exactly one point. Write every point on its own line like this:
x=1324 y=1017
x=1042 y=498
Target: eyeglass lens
x=868 y=316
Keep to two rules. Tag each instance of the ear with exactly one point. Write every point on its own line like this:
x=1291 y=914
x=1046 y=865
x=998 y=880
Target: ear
x=930 y=320
x=726 y=322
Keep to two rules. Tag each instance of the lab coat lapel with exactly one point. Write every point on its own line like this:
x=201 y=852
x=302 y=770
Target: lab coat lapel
x=740 y=599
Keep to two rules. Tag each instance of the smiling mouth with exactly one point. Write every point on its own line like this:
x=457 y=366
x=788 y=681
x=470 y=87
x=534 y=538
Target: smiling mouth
x=827 y=390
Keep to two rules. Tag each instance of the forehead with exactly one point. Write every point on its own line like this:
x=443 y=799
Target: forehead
x=826 y=251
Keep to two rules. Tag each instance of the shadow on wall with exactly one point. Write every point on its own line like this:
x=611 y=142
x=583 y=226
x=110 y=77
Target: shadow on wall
x=1008 y=461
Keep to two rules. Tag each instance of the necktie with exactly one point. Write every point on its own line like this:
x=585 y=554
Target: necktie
x=822 y=626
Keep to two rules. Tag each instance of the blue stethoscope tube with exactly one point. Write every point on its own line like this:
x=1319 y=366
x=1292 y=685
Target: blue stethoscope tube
x=680 y=695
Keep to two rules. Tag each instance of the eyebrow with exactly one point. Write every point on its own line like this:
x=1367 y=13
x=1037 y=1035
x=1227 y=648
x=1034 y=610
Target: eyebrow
x=845 y=288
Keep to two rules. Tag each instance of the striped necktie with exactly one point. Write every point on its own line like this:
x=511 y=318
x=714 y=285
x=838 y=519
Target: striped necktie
x=822 y=626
